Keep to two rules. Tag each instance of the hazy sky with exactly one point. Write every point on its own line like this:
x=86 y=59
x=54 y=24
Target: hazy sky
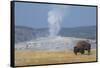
x=36 y=15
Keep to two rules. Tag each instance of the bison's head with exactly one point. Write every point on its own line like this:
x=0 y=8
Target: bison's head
x=76 y=50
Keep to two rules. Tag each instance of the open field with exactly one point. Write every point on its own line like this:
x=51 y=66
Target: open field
x=36 y=58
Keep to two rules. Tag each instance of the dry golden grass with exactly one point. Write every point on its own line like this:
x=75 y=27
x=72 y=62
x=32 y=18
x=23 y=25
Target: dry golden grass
x=36 y=58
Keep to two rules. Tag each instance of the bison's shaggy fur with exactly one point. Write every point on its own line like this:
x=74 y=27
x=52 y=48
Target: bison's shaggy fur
x=81 y=46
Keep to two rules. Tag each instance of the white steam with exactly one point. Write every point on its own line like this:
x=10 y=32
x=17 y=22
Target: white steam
x=55 y=17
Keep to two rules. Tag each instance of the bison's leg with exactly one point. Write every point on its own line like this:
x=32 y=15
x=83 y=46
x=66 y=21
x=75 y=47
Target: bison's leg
x=75 y=50
x=89 y=51
x=82 y=51
x=75 y=53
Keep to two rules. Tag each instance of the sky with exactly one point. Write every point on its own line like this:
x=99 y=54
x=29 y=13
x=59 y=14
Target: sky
x=35 y=15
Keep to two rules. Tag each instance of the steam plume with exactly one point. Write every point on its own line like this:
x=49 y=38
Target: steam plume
x=55 y=17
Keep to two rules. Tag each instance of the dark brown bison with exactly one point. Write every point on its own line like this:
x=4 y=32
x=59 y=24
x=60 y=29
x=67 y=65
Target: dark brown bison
x=81 y=46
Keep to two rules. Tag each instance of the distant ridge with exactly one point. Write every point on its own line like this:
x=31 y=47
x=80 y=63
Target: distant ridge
x=23 y=33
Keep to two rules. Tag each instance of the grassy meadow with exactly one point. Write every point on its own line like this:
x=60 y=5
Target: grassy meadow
x=36 y=58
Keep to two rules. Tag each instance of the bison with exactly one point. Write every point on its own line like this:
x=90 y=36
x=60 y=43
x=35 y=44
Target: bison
x=81 y=46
